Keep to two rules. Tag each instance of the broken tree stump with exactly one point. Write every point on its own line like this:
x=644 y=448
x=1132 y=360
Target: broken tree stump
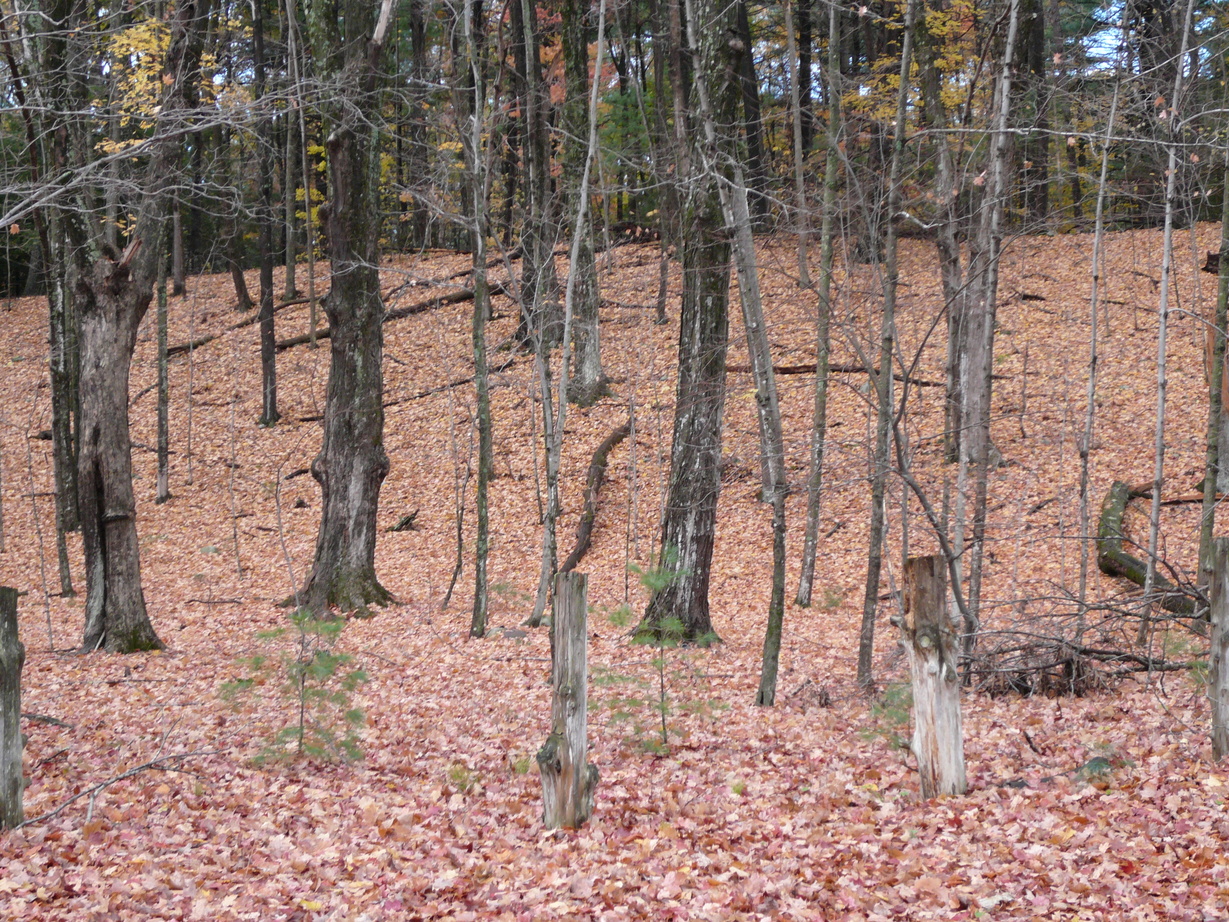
x=568 y=780
x=930 y=643
x=1218 y=654
x=12 y=658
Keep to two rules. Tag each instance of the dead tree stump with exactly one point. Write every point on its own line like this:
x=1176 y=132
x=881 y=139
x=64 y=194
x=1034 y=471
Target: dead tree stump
x=12 y=657
x=930 y=642
x=1218 y=658
x=568 y=780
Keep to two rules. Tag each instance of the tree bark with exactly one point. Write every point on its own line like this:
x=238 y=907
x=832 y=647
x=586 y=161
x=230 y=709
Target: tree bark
x=265 y=221
x=587 y=384
x=569 y=782
x=819 y=419
x=469 y=99
x=689 y=523
x=113 y=293
x=352 y=463
x=882 y=378
x=593 y=485
x=12 y=658
x=162 y=489
x=929 y=636
x=541 y=306
x=1216 y=463
x=979 y=354
x=1218 y=654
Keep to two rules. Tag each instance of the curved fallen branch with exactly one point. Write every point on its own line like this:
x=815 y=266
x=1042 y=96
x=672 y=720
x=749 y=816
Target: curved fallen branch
x=1112 y=560
x=593 y=484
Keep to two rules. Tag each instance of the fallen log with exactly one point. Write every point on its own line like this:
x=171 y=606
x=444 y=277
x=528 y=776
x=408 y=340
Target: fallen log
x=396 y=401
x=593 y=484
x=419 y=307
x=834 y=368
x=179 y=348
x=1112 y=560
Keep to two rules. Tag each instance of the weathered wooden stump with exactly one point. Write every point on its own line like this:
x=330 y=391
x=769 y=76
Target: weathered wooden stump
x=1218 y=658
x=568 y=780
x=930 y=642
x=12 y=657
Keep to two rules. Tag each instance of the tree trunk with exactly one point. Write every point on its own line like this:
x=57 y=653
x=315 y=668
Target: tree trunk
x=979 y=352
x=162 y=489
x=587 y=384
x=178 y=268
x=1218 y=654
x=113 y=295
x=569 y=782
x=290 y=288
x=1216 y=464
x=806 y=115
x=1085 y=444
x=929 y=637
x=265 y=221
x=946 y=240
x=1162 y=375
x=734 y=195
x=690 y=515
x=883 y=376
x=823 y=324
x=469 y=99
x=111 y=311
x=541 y=306
x=753 y=122
x=12 y=658
x=352 y=463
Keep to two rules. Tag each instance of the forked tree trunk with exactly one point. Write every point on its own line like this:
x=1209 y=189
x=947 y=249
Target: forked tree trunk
x=12 y=658
x=352 y=463
x=112 y=306
x=113 y=295
x=930 y=643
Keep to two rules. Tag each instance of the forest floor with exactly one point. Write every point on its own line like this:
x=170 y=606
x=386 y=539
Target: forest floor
x=1105 y=806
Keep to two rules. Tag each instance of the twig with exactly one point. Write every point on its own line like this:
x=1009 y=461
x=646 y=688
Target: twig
x=158 y=764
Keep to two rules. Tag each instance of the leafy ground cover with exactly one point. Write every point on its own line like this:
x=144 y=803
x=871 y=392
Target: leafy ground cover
x=1101 y=807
